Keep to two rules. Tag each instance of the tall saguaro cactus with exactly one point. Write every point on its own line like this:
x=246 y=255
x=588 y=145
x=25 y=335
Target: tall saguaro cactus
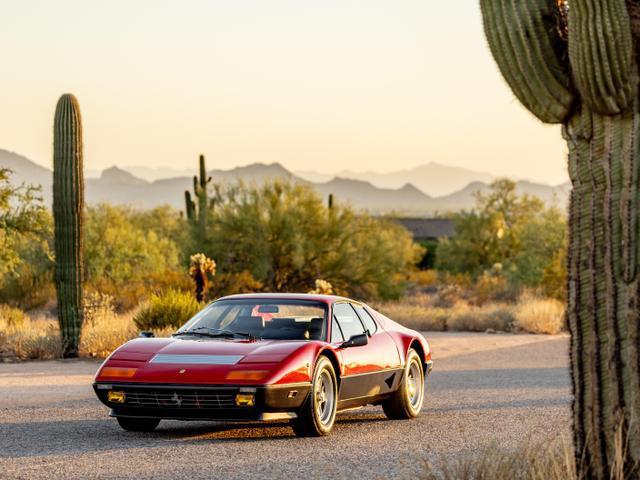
x=68 y=204
x=198 y=210
x=574 y=62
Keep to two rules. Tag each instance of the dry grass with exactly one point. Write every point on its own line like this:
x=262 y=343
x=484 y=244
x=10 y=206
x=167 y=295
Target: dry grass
x=498 y=317
x=540 y=315
x=542 y=461
x=426 y=312
x=108 y=331
x=417 y=311
x=39 y=337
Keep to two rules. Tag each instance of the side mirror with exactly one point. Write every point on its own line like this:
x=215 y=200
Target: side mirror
x=146 y=334
x=356 y=341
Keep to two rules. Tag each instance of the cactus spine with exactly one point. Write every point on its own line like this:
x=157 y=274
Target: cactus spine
x=574 y=62
x=198 y=210
x=68 y=205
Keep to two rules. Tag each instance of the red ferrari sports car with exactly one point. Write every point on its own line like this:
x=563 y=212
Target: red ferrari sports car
x=269 y=356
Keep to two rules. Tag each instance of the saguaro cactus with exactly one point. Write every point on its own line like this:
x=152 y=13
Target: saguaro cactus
x=198 y=210
x=68 y=204
x=574 y=62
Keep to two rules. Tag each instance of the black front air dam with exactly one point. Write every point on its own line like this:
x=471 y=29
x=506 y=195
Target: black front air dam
x=202 y=402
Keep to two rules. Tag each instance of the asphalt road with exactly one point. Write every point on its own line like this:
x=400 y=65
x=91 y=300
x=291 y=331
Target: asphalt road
x=485 y=388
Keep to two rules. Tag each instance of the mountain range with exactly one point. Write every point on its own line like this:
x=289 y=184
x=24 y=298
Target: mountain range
x=387 y=194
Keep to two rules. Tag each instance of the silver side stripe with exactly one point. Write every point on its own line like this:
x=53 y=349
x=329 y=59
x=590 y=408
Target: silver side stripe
x=197 y=359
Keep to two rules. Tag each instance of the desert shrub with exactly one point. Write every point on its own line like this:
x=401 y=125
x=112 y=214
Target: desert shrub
x=518 y=232
x=11 y=316
x=554 y=276
x=423 y=278
x=428 y=259
x=123 y=260
x=22 y=214
x=448 y=295
x=26 y=268
x=477 y=319
x=233 y=283
x=169 y=309
x=551 y=460
x=539 y=315
x=165 y=222
x=493 y=286
x=322 y=288
x=285 y=237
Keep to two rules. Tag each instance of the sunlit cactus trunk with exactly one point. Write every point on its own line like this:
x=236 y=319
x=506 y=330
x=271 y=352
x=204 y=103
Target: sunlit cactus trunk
x=574 y=63
x=68 y=205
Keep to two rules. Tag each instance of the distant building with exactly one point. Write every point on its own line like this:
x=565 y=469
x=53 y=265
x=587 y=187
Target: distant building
x=428 y=229
x=428 y=232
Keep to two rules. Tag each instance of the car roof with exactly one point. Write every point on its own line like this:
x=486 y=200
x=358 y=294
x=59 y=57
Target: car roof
x=289 y=296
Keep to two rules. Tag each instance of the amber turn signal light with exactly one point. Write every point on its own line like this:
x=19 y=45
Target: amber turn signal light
x=116 y=397
x=246 y=374
x=118 y=372
x=245 y=400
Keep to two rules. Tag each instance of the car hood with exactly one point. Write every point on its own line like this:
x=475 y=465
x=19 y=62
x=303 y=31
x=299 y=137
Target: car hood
x=181 y=346
x=205 y=361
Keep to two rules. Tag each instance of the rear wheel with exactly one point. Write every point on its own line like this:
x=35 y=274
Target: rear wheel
x=138 y=424
x=406 y=402
x=317 y=415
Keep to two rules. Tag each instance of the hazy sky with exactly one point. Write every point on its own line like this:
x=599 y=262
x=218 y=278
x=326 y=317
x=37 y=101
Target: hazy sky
x=314 y=84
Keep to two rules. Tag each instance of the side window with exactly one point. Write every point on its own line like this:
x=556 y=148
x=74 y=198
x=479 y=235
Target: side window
x=348 y=320
x=336 y=334
x=369 y=323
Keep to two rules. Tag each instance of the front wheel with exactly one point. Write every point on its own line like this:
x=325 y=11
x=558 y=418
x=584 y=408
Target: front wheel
x=138 y=424
x=406 y=402
x=318 y=413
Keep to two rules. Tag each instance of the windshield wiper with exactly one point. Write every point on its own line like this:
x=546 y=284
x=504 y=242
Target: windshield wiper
x=217 y=332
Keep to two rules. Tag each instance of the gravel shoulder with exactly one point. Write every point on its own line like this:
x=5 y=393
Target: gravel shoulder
x=485 y=388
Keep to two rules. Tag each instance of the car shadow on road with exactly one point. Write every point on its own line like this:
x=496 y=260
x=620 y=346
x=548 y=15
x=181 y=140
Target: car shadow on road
x=65 y=437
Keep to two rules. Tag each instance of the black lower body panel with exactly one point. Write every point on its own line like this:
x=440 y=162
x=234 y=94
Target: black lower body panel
x=203 y=402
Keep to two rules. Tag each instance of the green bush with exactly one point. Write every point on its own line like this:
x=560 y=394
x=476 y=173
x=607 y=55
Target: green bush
x=169 y=309
x=126 y=255
x=516 y=231
x=12 y=317
x=285 y=237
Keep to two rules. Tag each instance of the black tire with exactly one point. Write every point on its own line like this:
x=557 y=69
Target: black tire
x=406 y=402
x=138 y=424
x=316 y=419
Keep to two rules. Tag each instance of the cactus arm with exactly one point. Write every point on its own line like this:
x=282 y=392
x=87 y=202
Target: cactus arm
x=203 y=172
x=522 y=38
x=189 y=205
x=68 y=205
x=601 y=54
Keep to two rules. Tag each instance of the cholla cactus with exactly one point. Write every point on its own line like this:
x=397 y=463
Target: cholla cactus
x=201 y=268
x=322 y=288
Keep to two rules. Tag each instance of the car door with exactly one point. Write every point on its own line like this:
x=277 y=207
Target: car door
x=367 y=370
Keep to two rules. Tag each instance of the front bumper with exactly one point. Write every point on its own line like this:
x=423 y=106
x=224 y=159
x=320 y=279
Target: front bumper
x=203 y=402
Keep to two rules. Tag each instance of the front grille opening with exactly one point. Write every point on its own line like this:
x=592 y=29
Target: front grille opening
x=179 y=399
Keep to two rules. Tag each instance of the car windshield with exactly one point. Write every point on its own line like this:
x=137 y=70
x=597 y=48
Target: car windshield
x=262 y=318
